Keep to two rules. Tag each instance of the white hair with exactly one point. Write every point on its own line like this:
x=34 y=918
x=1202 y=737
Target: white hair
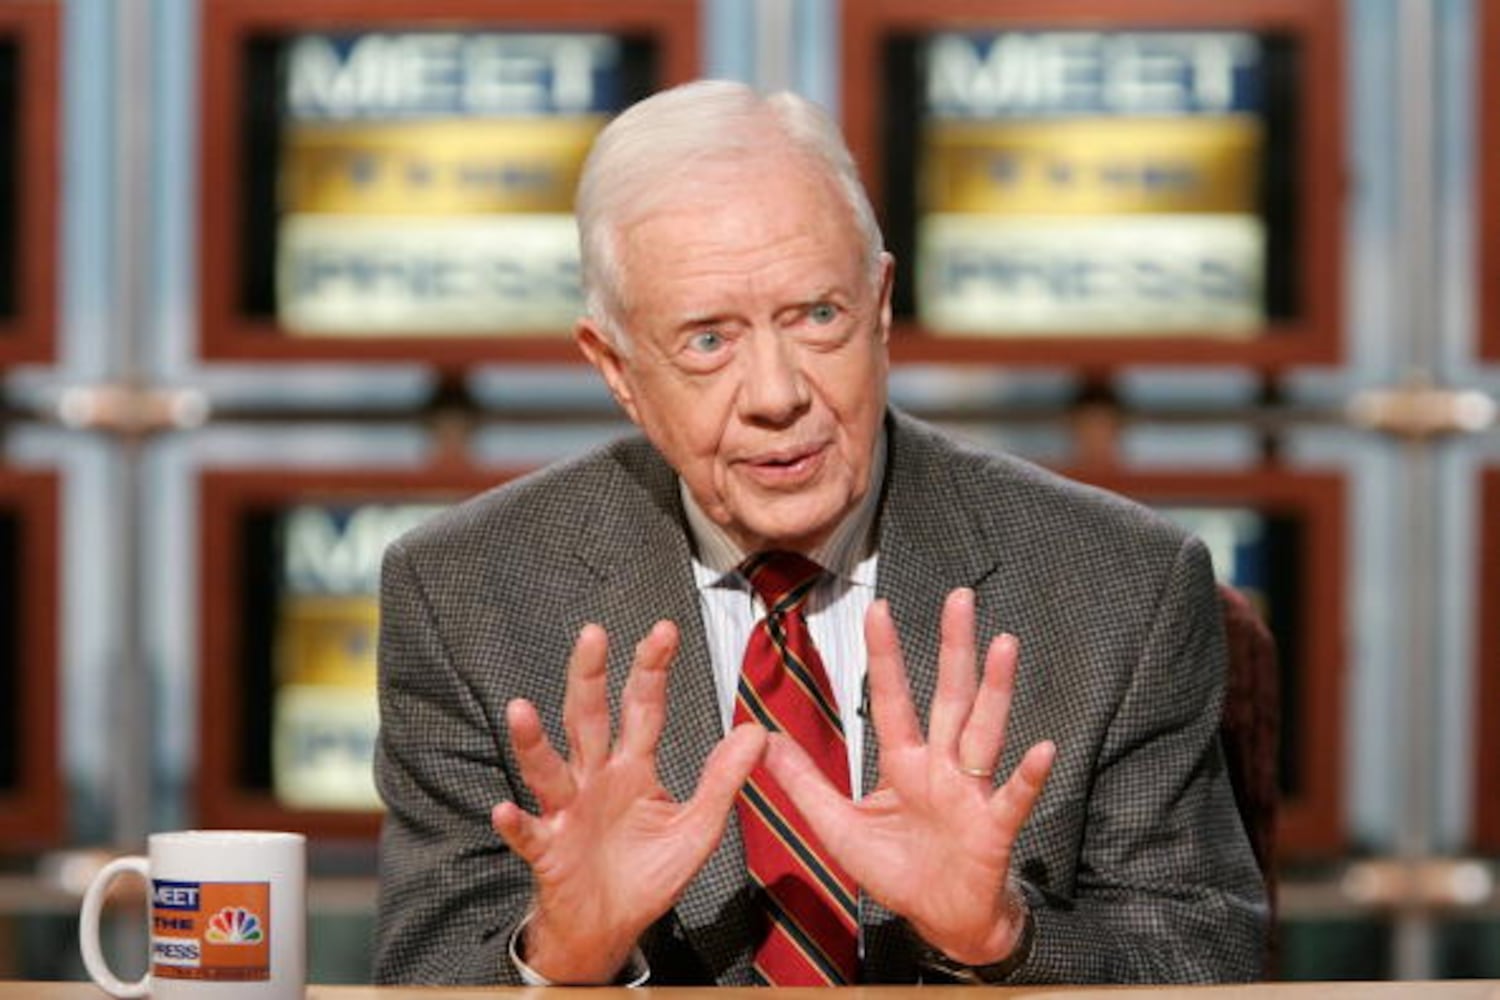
x=640 y=159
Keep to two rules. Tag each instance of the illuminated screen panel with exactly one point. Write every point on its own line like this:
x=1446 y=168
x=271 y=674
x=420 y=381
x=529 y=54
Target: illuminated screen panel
x=312 y=574
x=421 y=182
x=1093 y=183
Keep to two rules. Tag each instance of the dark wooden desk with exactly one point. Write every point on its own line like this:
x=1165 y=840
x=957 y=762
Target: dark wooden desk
x=1447 y=990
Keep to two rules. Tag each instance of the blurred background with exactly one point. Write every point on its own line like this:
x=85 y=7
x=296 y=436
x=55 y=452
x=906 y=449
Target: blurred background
x=279 y=278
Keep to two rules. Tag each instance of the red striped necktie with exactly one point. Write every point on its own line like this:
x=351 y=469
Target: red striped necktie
x=810 y=903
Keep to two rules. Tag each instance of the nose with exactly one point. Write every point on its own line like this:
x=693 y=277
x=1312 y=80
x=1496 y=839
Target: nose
x=773 y=389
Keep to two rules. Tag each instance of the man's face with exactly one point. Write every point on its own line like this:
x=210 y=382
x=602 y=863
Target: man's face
x=756 y=360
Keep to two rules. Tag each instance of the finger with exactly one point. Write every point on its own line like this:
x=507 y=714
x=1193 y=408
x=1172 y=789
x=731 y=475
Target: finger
x=983 y=735
x=953 y=697
x=829 y=811
x=586 y=704
x=643 y=705
x=724 y=773
x=543 y=771
x=890 y=700
x=1012 y=802
x=522 y=832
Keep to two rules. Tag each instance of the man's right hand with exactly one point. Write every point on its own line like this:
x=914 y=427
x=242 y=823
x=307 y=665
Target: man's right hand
x=611 y=851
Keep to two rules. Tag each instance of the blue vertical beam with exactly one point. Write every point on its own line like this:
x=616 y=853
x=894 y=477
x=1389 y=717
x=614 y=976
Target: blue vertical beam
x=1458 y=163
x=88 y=345
x=1458 y=464
x=88 y=351
x=773 y=45
x=1373 y=333
x=729 y=41
x=1415 y=939
x=174 y=183
x=131 y=760
x=817 y=51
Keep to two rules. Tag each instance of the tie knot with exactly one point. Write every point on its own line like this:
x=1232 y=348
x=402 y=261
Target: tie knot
x=782 y=579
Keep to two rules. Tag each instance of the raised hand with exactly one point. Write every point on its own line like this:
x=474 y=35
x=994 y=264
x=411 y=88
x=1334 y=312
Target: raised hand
x=611 y=851
x=933 y=841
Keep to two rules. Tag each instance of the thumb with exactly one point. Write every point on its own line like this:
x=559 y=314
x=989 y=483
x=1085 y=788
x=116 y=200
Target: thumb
x=725 y=773
x=1011 y=804
x=826 y=808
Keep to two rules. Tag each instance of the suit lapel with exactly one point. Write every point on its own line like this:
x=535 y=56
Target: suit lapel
x=926 y=549
x=642 y=552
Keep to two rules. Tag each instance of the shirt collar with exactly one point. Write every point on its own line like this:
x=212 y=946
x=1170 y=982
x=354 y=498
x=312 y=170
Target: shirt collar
x=845 y=554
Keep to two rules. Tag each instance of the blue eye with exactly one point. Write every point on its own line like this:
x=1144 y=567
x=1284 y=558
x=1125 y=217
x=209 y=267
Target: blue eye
x=822 y=313
x=706 y=342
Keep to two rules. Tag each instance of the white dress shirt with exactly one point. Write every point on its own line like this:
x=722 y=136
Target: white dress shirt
x=835 y=608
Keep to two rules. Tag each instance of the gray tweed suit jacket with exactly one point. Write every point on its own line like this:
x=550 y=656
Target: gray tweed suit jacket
x=1135 y=859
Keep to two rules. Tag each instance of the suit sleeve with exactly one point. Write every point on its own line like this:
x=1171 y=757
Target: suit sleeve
x=1167 y=888
x=450 y=891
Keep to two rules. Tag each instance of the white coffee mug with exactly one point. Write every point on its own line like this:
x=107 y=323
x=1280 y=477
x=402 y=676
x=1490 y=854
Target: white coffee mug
x=228 y=916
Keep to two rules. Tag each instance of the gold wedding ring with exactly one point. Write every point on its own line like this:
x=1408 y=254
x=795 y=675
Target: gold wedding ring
x=978 y=772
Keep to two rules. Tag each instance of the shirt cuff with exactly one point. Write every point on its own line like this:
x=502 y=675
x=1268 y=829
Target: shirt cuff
x=635 y=974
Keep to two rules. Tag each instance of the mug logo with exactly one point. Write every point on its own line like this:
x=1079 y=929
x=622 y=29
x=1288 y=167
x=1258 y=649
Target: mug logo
x=234 y=925
x=217 y=931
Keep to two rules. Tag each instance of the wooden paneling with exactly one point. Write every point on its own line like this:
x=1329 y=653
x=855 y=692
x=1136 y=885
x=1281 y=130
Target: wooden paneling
x=1487 y=146
x=1487 y=705
x=32 y=805
x=27 y=331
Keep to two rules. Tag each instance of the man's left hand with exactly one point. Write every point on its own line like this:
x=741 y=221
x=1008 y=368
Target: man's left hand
x=933 y=842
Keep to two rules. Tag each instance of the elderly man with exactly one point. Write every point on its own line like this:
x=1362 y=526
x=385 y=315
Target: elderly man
x=710 y=806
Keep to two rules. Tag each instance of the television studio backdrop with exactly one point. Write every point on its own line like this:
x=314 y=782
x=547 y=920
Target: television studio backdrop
x=280 y=278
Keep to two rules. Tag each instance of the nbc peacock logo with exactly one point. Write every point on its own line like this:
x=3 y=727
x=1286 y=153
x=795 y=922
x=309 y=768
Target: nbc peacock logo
x=234 y=925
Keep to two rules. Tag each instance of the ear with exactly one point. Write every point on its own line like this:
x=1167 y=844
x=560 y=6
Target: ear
x=602 y=354
x=887 y=283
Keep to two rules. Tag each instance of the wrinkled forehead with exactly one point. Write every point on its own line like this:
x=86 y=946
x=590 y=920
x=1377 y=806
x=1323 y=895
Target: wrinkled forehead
x=713 y=179
x=712 y=192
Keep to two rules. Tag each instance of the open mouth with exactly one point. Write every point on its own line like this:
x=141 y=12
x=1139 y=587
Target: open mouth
x=788 y=466
x=783 y=463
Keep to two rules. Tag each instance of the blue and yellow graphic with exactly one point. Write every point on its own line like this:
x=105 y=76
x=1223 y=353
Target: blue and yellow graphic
x=1092 y=166
x=452 y=167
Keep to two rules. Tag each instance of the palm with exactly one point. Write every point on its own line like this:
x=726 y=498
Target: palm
x=611 y=850
x=910 y=840
x=933 y=842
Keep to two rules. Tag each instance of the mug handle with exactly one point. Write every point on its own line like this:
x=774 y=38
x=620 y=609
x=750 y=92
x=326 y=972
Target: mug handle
x=88 y=928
